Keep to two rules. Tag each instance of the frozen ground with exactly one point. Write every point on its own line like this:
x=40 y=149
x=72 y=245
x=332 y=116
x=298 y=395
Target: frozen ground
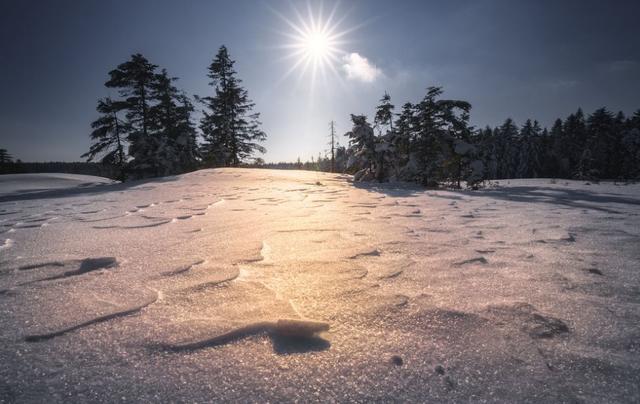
x=527 y=291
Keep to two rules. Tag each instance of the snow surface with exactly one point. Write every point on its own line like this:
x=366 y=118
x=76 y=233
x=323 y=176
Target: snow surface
x=14 y=184
x=528 y=290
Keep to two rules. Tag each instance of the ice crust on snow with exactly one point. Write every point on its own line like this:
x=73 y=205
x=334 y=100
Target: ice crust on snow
x=526 y=290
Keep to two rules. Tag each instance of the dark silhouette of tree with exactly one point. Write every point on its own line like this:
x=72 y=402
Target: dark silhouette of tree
x=230 y=130
x=109 y=135
x=575 y=133
x=529 y=144
x=152 y=117
x=438 y=123
x=506 y=151
x=134 y=80
x=384 y=113
x=5 y=157
x=176 y=147
x=631 y=147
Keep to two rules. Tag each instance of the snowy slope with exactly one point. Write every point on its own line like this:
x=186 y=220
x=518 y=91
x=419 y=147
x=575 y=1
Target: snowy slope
x=524 y=291
x=16 y=184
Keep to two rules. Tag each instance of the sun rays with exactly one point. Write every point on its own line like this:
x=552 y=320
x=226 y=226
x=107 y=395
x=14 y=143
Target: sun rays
x=314 y=44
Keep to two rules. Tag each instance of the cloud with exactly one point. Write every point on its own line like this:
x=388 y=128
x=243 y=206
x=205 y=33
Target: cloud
x=561 y=84
x=617 y=66
x=358 y=68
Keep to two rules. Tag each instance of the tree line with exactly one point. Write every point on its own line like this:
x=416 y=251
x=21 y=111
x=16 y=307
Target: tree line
x=432 y=142
x=148 y=131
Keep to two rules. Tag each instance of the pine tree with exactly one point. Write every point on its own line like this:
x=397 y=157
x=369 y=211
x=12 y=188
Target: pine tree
x=438 y=124
x=135 y=80
x=485 y=141
x=403 y=137
x=506 y=150
x=529 y=165
x=230 y=130
x=602 y=144
x=558 y=163
x=384 y=114
x=362 y=148
x=176 y=138
x=631 y=148
x=109 y=135
x=5 y=157
x=575 y=133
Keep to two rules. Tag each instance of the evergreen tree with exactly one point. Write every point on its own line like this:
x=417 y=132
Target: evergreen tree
x=5 y=157
x=602 y=143
x=575 y=132
x=485 y=140
x=631 y=148
x=506 y=151
x=402 y=139
x=384 y=114
x=176 y=149
x=230 y=130
x=362 y=148
x=438 y=124
x=135 y=81
x=529 y=150
x=558 y=163
x=545 y=158
x=109 y=135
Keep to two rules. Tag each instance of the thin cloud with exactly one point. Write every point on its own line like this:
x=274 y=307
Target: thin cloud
x=359 y=68
x=617 y=66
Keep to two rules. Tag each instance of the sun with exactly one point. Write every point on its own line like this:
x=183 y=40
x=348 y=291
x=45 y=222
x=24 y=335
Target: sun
x=315 y=43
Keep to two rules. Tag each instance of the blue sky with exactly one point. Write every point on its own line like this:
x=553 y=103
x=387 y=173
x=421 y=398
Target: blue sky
x=520 y=59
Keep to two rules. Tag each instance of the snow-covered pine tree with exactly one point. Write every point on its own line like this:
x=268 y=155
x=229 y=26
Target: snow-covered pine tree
x=387 y=164
x=362 y=148
x=384 y=115
x=404 y=134
x=230 y=130
x=385 y=159
x=485 y=142
x=341 y=159
x=109 y=135
x=438 y=124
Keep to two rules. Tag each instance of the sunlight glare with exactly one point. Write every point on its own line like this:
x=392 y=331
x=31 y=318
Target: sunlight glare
x=314 y=44
x=317 y=44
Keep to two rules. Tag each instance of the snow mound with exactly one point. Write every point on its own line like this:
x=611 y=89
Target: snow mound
x=28 y=183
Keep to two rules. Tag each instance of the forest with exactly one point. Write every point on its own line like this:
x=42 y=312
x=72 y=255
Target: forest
x=149 y=131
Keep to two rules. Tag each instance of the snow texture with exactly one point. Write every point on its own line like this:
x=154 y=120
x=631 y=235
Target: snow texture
x=525 y=291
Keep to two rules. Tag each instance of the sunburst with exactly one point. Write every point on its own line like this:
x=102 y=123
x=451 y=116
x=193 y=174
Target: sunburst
x=315 y=43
